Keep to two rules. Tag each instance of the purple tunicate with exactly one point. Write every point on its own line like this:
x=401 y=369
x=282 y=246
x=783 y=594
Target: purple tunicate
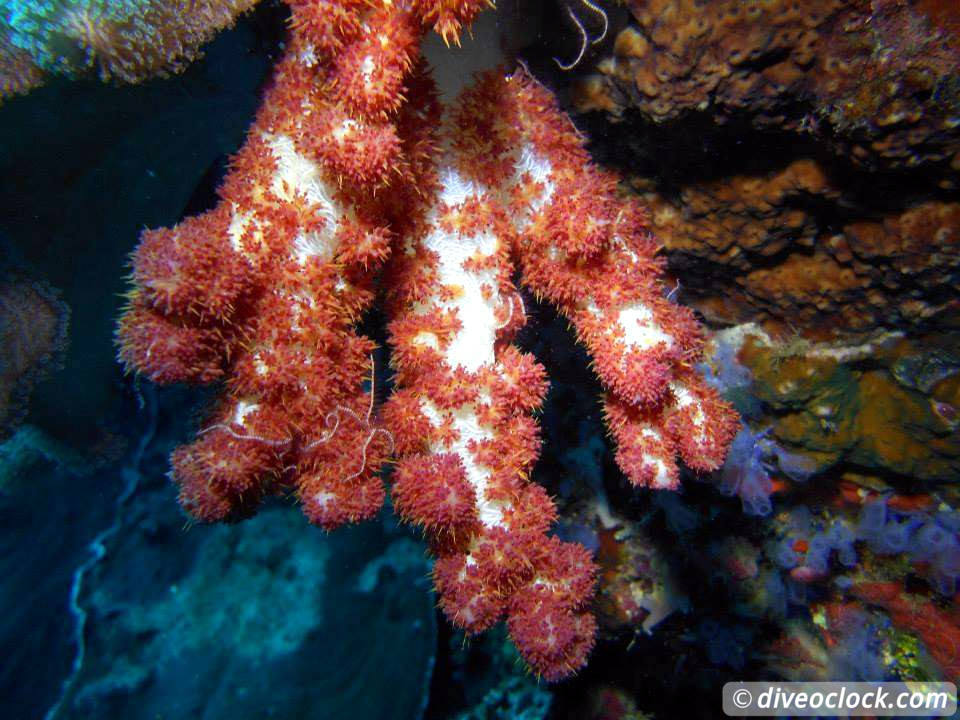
x=818 y=554
x=730 y=373
x=841 y=538
x=930 y=541
x=946 y=567
x=847 y=556
x=873 y=519
x=744 y=475
x=795 y=466
x=785 y=556
x=839 y=535
x=949 y=557
x=950 y=519
x=741 y=457
x=857 y=655
x=755 y=497
x=935 y=544
x=843 y=582
x=893 y=539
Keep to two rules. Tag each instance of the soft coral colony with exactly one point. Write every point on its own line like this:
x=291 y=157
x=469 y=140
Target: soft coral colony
x=344 y=189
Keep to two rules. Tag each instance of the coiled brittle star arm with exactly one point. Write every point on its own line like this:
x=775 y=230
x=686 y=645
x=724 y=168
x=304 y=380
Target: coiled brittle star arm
x=585 y=37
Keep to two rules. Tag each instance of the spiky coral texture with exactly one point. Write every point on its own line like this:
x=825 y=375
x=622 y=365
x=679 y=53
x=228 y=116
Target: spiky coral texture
x=518 y=190
x=341 y=170
x=263 y=291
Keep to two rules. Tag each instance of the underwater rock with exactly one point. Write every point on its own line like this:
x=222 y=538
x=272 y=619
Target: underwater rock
x=827 y=404
x=923 y=371
x=29 y=445
x=262 y=618
x=637 y=589
x=514 y=698
x=877 y=81
x=33 y=335
x=797 y=158
x=793 y=247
